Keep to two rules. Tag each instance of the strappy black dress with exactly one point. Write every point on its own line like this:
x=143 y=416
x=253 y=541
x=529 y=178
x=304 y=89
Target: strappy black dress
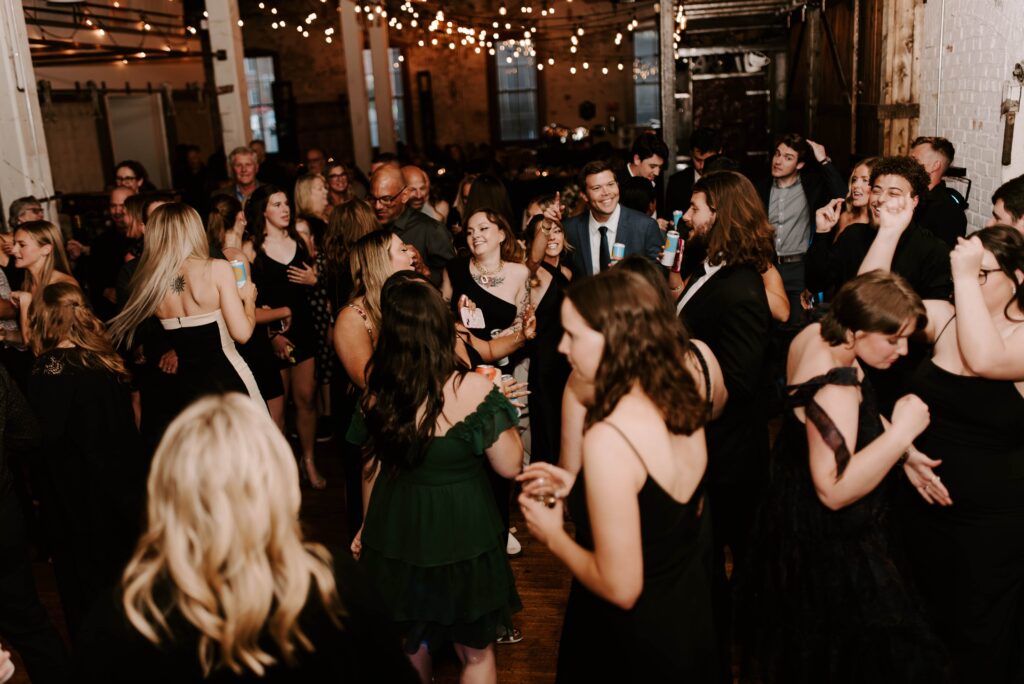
x=669 y=634
x=824 y=600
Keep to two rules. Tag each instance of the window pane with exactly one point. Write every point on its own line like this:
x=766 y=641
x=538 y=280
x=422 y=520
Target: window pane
x=517 y=94
x=647 y=84
x=259 y=77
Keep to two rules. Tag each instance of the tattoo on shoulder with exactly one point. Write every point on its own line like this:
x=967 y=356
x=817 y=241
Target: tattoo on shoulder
x=178 y=284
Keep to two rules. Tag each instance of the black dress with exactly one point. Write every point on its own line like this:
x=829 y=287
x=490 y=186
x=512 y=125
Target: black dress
x=824 y=601
x=549 y=371
x=275 y=290
x=364 y=649
x=498 y=314
x=669 y=634
x=90 y=475
x=968 y=558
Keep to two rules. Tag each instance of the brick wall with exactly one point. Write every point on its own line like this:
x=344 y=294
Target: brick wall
x=979 y=41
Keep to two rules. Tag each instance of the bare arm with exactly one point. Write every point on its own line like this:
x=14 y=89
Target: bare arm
x=894 y=217
x=238 y=305
x=719 y=394
x=574 y=414
x=778 y=302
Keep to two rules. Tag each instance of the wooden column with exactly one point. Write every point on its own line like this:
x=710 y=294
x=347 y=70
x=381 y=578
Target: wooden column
x=667 y=76
x=358 y=101
x=899 y=106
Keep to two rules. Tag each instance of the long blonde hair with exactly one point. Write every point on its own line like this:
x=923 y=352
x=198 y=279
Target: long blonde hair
x=370 y=261
x=304 y=193
x=173 y=235
x=45 y=233
x=223 y=532
x=61 y=313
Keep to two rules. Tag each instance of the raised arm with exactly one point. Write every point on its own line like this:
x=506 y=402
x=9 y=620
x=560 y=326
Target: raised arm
x=985 y=351
x=894 y=217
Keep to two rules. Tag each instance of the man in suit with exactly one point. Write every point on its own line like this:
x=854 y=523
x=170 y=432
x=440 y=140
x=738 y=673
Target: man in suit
x=724 y=304
x=606 y=222
x=704 y=143
x=938 y=211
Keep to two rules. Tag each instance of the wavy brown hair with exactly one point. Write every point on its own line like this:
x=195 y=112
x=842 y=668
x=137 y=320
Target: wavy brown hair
x=511 y=250
x=645 y=344
x=741 y=233
x=62 y=314
x=349 y=222
x=873 y=302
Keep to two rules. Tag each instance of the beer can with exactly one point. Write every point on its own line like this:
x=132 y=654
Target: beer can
x=505 y=378
x=671 y=247
x=239 y=268
x=677 y=265
x=618 y=251
x=489 y=372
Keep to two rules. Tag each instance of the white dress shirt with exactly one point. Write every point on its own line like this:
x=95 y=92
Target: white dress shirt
x=595 y=236
x=709 y=271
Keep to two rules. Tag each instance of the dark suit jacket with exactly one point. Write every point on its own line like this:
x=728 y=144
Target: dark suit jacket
x=730 y=314
x=821 y=183
x=680 y=189
x=640 y=234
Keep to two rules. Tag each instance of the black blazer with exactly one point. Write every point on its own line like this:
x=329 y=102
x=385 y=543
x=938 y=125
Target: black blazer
x=680 y=189
x=730 y=314
x=821 y=183
x=640 y=234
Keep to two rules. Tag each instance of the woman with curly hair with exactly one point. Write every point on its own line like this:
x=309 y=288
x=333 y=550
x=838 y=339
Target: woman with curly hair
x=91 y=469
x=222 y=586
x=641 y=560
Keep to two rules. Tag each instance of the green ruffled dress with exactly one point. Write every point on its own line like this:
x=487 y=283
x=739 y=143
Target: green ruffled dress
x=433 y=542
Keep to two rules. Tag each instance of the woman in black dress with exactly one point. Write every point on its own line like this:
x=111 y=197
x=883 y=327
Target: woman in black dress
x=549 y=369
x=222 y=587
x=824 y=600
x=91 y=472
x=640 y=605
x=968 y=558
x=283 y=270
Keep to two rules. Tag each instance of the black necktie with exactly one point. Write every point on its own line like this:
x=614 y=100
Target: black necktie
x=604 y=256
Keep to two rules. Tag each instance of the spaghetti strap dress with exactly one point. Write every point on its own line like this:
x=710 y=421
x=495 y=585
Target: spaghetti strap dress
x=968 y=558
x=275 y=290
x=549 y=371
x=433 y=542
x=669 y=634
x=825 y=601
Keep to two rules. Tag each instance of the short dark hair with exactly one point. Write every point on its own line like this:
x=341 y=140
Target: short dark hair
x=593 y=168
x=636 y=193
x=905 y=167
x=720 y=162
x=138 y=169
x=648 y=145
x=706 y=139
x=940 y=145
x=1012 y=194
x=796 y=142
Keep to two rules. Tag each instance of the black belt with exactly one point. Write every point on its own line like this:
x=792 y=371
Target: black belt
x=790 y=259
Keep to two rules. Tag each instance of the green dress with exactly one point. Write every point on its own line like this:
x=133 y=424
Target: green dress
x=433 y=542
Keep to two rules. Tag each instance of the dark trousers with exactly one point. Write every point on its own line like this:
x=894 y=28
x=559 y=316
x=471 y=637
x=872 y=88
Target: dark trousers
x=23 y=620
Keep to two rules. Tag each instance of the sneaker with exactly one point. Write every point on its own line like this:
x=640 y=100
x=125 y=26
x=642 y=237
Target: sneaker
x=505 y=636
x=513 y=547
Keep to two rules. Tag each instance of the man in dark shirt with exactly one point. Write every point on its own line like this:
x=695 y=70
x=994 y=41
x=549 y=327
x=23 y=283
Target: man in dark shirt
x=920 y=257
x=938 y=211
x=390 y=196
x=1008 y=204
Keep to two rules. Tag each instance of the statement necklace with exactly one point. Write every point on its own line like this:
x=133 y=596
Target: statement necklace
x=485 y=278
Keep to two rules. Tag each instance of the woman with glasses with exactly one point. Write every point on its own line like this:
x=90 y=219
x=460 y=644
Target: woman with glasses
x=968 y=557
x=132 y=175
x=338 y=189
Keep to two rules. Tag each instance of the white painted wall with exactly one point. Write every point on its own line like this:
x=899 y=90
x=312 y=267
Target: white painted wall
x=970 y=47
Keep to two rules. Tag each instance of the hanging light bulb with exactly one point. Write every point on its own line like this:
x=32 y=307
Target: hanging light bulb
x=572 y=70
x=502 y=10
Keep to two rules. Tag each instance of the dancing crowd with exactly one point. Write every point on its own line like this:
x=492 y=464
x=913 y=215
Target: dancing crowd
x=768 y=425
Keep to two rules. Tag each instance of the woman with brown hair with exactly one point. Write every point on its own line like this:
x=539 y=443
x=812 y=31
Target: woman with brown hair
x=641 y=560
x=90 y=466
x=39 y=250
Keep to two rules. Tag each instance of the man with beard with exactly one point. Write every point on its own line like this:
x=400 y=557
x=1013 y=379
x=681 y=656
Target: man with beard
x=724 y=305
x=107 y=255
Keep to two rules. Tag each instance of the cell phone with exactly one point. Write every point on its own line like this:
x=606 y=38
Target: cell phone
x=472 y=318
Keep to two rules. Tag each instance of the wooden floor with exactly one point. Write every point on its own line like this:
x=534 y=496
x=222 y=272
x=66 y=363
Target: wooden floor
x=543 y=585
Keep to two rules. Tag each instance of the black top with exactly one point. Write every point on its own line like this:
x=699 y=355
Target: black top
x=498 y=314
x=275 y=290
x=825 y=600
x=920 y=257
x=430 y=238
x=549 y=371
x=365 y=649
x=18 y=427
x=669 y=634
x=944 y=216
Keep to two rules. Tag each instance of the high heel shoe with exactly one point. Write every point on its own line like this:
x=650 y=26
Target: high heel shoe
x=309 y=474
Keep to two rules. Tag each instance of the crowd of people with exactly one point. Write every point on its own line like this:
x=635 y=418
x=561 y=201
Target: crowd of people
x=779 y=413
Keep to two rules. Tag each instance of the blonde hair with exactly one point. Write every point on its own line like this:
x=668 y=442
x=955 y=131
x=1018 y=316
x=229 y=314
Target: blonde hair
x=173 y=235
x=370 y=261
x=223 y=531
x=45 y=233
x=304 y=193
x=60 y=314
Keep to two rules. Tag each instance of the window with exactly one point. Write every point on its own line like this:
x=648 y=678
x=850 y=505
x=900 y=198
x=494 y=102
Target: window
x=647 y=84
x=517 y=94
x=395 y=60
x=259 y=78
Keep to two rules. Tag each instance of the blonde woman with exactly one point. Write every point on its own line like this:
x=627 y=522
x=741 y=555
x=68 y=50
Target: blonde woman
x=222 y=586
x=200 y=307
x=39 y=250
x=312 y=209
x=90 y=468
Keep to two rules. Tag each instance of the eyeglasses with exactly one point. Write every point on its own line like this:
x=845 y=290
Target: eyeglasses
x=125 y=178
x=983 y=274
x=331 y=176
x=386 y=200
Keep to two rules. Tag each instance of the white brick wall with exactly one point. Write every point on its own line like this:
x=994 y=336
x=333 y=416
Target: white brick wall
x=979 y=42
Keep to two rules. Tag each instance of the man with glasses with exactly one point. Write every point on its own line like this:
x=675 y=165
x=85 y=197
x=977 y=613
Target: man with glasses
x=389 y=196
x=130 y=175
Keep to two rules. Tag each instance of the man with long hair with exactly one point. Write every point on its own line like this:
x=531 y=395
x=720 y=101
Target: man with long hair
x=724 y=304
